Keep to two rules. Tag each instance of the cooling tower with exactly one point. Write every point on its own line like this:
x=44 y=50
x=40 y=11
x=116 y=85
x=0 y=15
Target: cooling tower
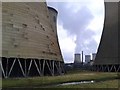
x=29 y=40
x=77 y=58
x=87 y=58
x=107 y=58
x=93 y=56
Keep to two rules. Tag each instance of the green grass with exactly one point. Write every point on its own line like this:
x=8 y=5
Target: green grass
x=49 y=80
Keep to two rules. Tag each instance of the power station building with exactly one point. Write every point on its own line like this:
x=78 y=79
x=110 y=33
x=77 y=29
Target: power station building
x=107 y=58
x=77 y=58
x=87 y=58
x=29 y=40
x=93 y=56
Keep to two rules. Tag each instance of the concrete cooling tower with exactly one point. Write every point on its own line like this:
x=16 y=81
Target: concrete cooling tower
x=107 y=58
x=29 y=40
x=77 y=58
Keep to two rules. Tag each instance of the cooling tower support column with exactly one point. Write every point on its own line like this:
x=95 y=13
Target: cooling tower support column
x=19 y=67
x=106 y=68
x=3 y=72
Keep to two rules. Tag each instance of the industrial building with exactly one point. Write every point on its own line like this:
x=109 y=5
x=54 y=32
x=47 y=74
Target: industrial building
x=30 y=44
x=107 y=58
x=77 y=58
x=93 y=56
x=87 y=58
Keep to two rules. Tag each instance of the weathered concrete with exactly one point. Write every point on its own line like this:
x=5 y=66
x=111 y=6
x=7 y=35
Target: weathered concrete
x=109 y=45
x=29 y=40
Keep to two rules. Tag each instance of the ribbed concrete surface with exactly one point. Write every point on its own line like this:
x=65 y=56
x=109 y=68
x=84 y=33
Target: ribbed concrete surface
x=108 y=47
x=27 y=31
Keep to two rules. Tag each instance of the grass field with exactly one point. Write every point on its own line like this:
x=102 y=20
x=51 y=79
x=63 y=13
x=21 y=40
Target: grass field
x=107 y=80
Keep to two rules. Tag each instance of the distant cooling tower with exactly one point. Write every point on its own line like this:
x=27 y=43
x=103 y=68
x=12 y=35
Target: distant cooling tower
x=29 y=40
x=87 y=58
x=93 y=56
x=107 y=58
x=77 y=58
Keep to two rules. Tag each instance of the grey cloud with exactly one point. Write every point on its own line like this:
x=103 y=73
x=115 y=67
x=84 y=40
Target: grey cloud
x=67 y=57
x=76 y=23
x=86 y=35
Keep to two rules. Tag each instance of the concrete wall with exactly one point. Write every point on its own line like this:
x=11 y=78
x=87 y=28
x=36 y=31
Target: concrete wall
x=77 y=58
x=93 y=56
x=108 y=48
x=53 y=22
x=87 y=58
x=27 y=31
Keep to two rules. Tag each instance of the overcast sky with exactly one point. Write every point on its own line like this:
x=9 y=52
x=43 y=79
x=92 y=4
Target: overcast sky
x=79 y=26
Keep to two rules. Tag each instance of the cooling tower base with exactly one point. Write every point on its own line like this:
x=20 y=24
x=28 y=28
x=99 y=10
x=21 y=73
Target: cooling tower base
x=20 y=67
x=106 y=68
